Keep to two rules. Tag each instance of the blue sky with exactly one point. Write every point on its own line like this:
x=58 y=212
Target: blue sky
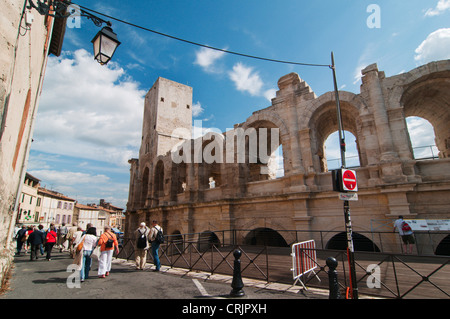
x=90 y=116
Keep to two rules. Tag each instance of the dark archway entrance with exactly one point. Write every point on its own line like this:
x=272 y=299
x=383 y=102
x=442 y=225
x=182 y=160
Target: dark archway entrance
x=360 y=243
x=207 y=239
x=265 y=237
x=443 y=249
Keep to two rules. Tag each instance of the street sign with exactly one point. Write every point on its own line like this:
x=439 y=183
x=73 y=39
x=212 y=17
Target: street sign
x=349 y=180
x=348 y=196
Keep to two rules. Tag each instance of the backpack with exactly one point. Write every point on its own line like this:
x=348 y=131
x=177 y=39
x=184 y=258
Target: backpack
x=109 y=243
x=405 y=227
x=159 y=236
x=142 y=241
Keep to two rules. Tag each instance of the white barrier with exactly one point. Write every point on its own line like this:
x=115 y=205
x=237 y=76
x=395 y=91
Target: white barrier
x=304 y=260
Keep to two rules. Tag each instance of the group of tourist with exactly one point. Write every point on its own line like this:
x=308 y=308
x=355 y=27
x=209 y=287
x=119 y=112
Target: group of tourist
x=82 y=245
x=36 y=239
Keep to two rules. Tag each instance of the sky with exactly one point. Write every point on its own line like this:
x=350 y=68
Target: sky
x=89 y=121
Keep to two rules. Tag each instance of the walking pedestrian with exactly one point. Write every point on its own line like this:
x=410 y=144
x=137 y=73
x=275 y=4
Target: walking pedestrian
x=89 y=243
x=141 y=245
x=70 y=238
x=74 y=240
x=41 y=247
x=62 y=236
x=50 y=241
x=155 y=244
x=21 y=238
x=406 y=234
x=35 y=240
x=107 y=242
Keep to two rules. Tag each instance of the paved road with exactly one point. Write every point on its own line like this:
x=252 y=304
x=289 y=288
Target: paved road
x=42 y=279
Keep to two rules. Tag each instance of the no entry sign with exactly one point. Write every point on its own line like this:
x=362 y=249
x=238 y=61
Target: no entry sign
x=349 y=180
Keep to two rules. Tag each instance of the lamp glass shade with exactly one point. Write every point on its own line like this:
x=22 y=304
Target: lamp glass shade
x=105 y=44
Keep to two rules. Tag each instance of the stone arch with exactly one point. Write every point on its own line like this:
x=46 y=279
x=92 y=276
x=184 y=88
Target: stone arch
x=443 y=249
x=261 y=142
x=428 y=97
x=159 y=179
x=265 y=237
x=323 y=122
x=206 y=240
x=145 y=185
x=360 y=242
x=210 y=169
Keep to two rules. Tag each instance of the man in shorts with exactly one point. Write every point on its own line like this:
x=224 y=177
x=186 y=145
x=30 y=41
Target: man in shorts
x=406 y=233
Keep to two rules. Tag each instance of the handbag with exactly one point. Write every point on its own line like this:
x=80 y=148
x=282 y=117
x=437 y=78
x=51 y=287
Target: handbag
x=80 y=245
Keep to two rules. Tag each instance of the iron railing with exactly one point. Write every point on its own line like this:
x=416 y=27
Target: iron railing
x=396 y=276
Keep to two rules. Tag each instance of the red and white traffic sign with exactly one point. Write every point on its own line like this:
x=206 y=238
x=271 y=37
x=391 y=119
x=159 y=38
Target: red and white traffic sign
x=349 y=180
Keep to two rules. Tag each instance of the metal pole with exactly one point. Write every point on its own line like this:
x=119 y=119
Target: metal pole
x=339 y=117
x=348 y=223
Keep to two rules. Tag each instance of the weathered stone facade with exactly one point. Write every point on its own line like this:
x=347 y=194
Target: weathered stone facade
x=390 y=181
x=26 y=40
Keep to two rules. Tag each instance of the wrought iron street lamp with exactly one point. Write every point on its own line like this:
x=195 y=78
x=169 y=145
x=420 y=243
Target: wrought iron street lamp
x=105 y=42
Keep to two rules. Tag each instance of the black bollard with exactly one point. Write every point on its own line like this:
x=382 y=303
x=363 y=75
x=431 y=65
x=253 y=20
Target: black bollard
x=333 y=278
x=237 y=284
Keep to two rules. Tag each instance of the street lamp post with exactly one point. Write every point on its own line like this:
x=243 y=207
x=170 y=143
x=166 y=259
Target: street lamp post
x=105 y=42
x=348 y=222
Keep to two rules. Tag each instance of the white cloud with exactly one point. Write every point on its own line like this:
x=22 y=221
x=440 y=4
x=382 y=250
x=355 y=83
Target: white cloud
x=197 y=109
x=69 y=178
x=442 y=5
x=435 y=47
x=207 y=59
x=88 y=110
x=245 y=79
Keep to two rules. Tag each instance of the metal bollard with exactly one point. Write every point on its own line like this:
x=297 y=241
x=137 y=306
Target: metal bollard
x=237 y=284
x=333 y=278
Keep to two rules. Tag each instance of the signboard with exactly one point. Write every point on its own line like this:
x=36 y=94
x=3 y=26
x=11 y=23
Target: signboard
x=348 y=196
x=349 y=180
x=429 y=224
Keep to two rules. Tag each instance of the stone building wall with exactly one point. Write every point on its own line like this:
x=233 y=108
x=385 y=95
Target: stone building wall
x=23 y=57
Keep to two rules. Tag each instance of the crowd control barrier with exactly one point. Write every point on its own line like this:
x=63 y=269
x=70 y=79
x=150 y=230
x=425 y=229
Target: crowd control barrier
x=304 y=260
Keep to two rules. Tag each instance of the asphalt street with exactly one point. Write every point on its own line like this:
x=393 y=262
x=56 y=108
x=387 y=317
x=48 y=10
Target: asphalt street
x=55 y=279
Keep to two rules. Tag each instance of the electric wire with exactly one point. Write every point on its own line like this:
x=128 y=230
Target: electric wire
x=203 y=45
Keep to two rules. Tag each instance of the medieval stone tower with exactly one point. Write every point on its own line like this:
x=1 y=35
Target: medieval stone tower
x=167 y=117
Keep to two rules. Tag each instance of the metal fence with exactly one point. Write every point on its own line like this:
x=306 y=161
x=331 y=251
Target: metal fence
x=382 y=274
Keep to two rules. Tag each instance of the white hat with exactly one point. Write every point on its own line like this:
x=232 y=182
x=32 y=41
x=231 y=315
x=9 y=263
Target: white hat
x=142 y=224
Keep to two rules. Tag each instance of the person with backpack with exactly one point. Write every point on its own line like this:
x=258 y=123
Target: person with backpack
x=141 y=245
x=107 y=243
x=156 y=238
x=406 y=234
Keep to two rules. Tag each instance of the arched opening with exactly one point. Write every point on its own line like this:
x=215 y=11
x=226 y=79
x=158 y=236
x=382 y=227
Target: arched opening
x=176 y=239
x=263 y=151
x=210 y=170
x=265 y=237
x=159 y=180
x=421 y=136
x=206 y=240
x=360 y=243
x=145 y=180
x=333 y=152
x=429 y=98
x=325 y=142
x=179 y=178
x=443 y=249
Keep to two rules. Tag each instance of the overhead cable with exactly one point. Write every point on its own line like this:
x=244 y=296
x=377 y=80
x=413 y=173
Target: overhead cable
x=203 y=45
